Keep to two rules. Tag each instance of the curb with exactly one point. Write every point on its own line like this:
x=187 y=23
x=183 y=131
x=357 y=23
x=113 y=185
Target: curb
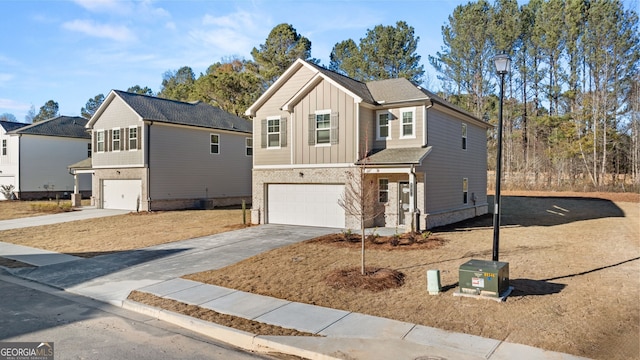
x=238 y=338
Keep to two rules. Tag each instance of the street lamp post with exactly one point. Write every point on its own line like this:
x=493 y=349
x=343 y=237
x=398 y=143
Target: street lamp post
x=502 y=63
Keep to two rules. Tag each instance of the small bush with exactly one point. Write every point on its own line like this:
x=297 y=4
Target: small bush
x=51 y=207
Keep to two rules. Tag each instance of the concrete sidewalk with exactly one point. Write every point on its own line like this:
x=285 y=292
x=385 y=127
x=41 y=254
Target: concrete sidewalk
x=344 y=335
x=82 y=213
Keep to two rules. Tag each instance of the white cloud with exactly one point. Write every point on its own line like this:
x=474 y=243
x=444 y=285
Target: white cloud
x=110 y=6
x=88 y=27
x=233 y=34
x=13 y=105
x=5 y=78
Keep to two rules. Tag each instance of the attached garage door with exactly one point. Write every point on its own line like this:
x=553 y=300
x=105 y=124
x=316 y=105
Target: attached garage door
x=121 y=194
x=7 y=180
x=313 y=205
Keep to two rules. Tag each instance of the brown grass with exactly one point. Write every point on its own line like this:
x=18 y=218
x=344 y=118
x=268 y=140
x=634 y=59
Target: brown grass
x=21 y=209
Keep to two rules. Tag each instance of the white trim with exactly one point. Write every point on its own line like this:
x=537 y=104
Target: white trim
x=315 y=80
x=118 y=167
x=129 y=137
x=104 y=139
x=214 y=143
x=113 y=132
x=315 y=132
x=465 y=137
x=271 y=118
x=246 y=146
x=388 y=170
x=411 y=110
x=304 y=166
x=380 y=191
x=390 y=116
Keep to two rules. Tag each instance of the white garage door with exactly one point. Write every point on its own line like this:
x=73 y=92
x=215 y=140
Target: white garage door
x=305 y=204
x=121 y=194
x=7 y=180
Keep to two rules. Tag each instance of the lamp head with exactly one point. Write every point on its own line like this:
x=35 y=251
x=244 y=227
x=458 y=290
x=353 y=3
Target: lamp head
x=503 y=63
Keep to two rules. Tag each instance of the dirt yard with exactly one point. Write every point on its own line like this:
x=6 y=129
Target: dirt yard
x=574 y=262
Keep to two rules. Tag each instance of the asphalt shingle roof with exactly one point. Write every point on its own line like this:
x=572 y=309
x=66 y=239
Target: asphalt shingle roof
x=63 y=126
x=395 y=156
x=355 y=86
x=176 y=112
x=10 y=125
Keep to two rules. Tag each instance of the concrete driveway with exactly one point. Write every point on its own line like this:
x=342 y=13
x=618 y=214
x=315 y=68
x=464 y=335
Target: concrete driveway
x=112 y=277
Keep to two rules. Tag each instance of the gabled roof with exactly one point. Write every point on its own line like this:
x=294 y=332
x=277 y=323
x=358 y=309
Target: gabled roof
x=396 y=156
x=62 y=126
x=10 y=125
x=359 y=88
x=150 y=108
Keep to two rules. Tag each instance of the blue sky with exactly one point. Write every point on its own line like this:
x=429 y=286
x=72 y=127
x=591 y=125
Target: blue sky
x=70 y=51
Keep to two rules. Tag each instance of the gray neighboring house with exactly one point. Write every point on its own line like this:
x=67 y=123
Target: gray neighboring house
x=150 y=153
x=34 y=157
x=426 y=158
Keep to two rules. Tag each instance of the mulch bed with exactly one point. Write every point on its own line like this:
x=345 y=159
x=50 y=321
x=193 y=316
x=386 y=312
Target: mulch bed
x=406 y=241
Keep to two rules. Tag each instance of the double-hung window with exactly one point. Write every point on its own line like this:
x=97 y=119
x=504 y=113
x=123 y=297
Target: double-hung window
x=465 y=191
x=273 y=132
x=115 y=139
x=383 y=190
x=215 y=143
x=4 y=146
x=248 y=146
x=383 y=119
x=407 y=122
x=323 y=128
x=133 y=138
x=100 y=141
x=464 y=136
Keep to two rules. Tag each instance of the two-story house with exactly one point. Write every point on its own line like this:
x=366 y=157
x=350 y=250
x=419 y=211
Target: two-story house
x=426 y=158
x=34 y=157
x=151 y=153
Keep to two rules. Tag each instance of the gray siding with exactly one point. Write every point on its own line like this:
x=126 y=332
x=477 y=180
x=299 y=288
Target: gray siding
x=447 y=164
x=182 y=166
x=264 y=156
x=118 y=115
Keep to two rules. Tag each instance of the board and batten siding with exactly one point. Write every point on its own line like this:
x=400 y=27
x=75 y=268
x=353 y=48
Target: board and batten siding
x=325 y=96
x=182 y=166
x=448 y=164
x=45 y=161
x=118 y=115
x=272 y=107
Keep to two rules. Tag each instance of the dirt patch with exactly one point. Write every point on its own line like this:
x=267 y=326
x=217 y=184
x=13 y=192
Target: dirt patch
x=573 y=262
x=235 y=322
x=406 y=241
x=373 y=279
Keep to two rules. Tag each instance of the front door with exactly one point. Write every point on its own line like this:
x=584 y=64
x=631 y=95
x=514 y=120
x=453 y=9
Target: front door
x=403 y=202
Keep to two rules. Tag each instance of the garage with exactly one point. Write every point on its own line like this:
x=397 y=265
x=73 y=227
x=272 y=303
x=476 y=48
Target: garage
x=305 y=204
x=121 y=194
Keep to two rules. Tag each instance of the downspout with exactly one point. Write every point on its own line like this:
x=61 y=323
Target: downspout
x=358 y=132
x=19 y=167
x=148 y=161
x=425 y=121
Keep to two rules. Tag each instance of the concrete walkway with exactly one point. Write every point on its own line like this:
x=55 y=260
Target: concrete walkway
x=345 y=335
x=79 y=214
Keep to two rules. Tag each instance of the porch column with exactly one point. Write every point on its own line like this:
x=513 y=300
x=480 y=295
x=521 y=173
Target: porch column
x=76 y=198
x=413 y=195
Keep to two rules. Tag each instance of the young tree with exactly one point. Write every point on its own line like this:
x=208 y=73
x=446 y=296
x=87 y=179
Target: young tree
x=92 y=105
x=282 y=47
x=8 y=117
x=178 y=85
x=31 y=114
x=47 y=111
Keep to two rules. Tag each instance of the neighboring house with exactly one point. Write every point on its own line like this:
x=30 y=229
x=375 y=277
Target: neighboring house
x=34 y=157
x=151 y=153
x=426 y=158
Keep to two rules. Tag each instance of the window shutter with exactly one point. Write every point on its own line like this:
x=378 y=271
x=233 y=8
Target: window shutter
x=95 y=141
x=263 y=133
x=139 y=139
x=334 y=128
x=312 y=129
x=110 y=141
x=125 y=137
x=283 y=131
x=122 y=136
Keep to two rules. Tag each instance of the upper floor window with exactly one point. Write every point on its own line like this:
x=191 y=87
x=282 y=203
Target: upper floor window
x=323 y=128
x=248 y=146
x=383 y=119
x=4 y=146
x=464 y=136
x=133 y=138
x=465 y=191
x=273 y=132
x=383 y=190
x=100 y=140
x=407 y=123
x=89 y=150
x=215 y=144
x=115 y=139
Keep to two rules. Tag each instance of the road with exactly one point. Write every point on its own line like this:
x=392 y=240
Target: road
x=81 y=328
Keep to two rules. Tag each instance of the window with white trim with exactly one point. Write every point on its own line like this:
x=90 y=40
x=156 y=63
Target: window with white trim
x=383 y=190
x=273 y=133
x=115 y=139
x=465 y=191
x=100 y=141
x=215 y=143
x=248 y=144
x=4 y=146
x=133 y=138
x=407 y=123
x=383 y=125
x=464 y=136
x=323 y=127
x=89 y=150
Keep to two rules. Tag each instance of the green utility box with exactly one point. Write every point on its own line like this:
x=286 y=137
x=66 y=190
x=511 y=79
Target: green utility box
x=483 y=277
